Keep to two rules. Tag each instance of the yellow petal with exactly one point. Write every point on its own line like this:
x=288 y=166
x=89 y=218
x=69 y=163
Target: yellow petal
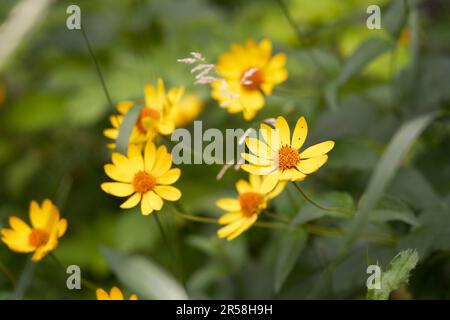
x=61 y=228
x=255 y=182
x=168 y=193
x=230 y=228
x=317 y=150
x=284 y=132
x=243 y=186
x=256 y=160
x=101 y=294
x=169 y=177
x=118 y=174
x=146 y=207
x=118 y=189
x=278 y=189
x=153 y=199
x=18 y=225
x=111 y=133
x=269 y=182
x=300 y=133
x=312 y=164
x=135 y=158
x=271 y=136
x=149 y=156
x=229 y=204
x=259 y=148
x=246 y=224
x=258 y=170
x=133 y=297
x=163 y=162
x=16 y=241
x=115 y=294
x=131 y=201
x=230 y=217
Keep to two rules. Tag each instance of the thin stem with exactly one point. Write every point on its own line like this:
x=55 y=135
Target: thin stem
x=318 y=205
x=299 y=33
x=97 y=67
x=24 y=280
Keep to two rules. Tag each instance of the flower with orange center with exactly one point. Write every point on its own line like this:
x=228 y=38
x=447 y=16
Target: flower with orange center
x=145 y=178
x=114 y=294
x=42 y=237
x=279 y=157
x=162 y=112
x=247 y=74
x=242 y=213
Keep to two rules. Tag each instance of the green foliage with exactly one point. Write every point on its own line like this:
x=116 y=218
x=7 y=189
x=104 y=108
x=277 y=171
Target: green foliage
x=397 y=272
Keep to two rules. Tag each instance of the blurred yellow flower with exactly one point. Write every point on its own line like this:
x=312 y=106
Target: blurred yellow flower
x=243 y=212
x=42 y=236
x=145 y=178
x=247 y=74
x=159 y=115
x=186 y=110
x=279 y=157
x=114 y=294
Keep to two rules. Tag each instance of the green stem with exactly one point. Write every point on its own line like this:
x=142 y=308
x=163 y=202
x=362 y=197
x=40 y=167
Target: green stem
x=318 y=205
x=24 y=280
x=84 y=282
x=97 y=68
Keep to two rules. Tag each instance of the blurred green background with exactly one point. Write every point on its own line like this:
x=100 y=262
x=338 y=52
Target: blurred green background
x=354 y=85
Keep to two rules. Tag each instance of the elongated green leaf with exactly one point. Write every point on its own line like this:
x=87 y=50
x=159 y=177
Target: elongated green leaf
x=126 y=128
x=291 y=245
x=386 y=169
x=394 y=18
x=143 y=277
x=362 y=56
x=397 y=272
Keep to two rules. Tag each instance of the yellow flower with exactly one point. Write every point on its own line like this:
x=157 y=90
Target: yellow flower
x=42 y=236
x=248 y=73
x=186 y=110
x=145 y=178
x=156 y=116
x=114 y=294
x=243 y=212
x=279 y=157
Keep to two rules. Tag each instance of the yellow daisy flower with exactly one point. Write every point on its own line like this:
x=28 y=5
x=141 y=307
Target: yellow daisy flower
x=42 y=237
x=279 y=157
x=114 y=294
x=248 y=73
x=243 y=212
x=145 y=178
x=156 y=116
x=186 y=110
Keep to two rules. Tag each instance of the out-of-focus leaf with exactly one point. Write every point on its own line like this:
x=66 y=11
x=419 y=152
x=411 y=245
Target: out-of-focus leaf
x=143 y=276
x=353 y=154
x=394 y=18
x=365 y=53
x=393 y=210
x=336 y=200
x=291 y=244
x=398 y=271
x=126 y=128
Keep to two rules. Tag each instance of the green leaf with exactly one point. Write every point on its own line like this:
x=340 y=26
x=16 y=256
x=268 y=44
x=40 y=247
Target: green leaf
x=126 y=128
x=143 y=276
x=291 y=244
x=397 y=272
x=362 y=56
x=391 y=209
x=394 y=18
x=338 y=200
x=386 y=169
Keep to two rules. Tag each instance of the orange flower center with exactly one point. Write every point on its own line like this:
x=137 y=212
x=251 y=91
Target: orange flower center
x=288 y=158
x=252 y=79
x=146 y=113
x=251 y=203
x=38 y=238
x=143 y=182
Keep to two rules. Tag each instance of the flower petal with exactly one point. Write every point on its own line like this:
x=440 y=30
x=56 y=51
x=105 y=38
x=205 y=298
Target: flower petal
x=246 y=224
x=230 y=217
x=284 y=132
x=269 y=182
x=256 y=160
x=312 y=164
x=168 y=193
x=135 y=158
x=258 y=170
x=317 y=150
x=101 y=294
x=169 y=177
x=118 y=189
x=153 y=199
x=243 y=186
x=300 y=133
x=229 y=204
x=259 y=148
x=131 y=201
x=149 y=156
x=118 y=173
x=163 y=162
x=115 y=294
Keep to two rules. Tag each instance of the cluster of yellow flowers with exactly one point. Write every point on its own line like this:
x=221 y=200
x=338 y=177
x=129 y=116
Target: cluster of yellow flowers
x=145 y=174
